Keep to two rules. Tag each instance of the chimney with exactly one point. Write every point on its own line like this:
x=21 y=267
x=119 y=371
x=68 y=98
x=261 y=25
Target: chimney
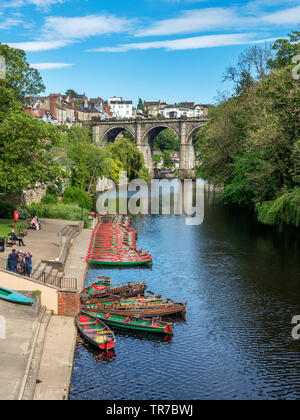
x=52 y=105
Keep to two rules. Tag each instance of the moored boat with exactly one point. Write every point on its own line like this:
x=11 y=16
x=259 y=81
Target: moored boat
x=113 y=300
x=165 y=308
x=137 y=324
x=99 y=286
x=14 y=297
x=95 y=331
x=121 y=290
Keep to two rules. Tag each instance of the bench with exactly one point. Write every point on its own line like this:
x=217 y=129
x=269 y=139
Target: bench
x=9 y=243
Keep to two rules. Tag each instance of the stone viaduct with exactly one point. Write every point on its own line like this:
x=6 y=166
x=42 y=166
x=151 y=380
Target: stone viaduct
x=145 y=132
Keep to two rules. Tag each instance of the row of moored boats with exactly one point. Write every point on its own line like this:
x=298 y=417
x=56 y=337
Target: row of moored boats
x=128 y=306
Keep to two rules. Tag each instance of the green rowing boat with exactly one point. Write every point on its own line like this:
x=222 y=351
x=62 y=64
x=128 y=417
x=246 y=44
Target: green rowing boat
x=95 y=331
x=14 y=297
x=133 y=323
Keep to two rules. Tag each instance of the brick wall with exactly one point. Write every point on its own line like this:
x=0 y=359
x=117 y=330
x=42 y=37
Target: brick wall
x=68 y=303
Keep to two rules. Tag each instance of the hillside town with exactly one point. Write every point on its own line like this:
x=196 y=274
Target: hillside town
x=71 y=110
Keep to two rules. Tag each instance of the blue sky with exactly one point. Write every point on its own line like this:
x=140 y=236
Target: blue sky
x=173 y=50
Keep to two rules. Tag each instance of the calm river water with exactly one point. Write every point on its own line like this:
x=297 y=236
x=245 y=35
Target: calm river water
x=242 y=284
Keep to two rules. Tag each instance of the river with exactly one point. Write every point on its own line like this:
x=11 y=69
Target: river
x=242 y=285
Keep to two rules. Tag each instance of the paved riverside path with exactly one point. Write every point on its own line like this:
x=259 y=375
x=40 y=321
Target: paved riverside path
x=76 y=265
x=57 y=360
x=58 y=354
x=42 y=244
x=21 y=327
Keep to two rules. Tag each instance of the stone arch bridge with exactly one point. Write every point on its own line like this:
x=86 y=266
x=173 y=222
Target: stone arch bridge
x=145 y=131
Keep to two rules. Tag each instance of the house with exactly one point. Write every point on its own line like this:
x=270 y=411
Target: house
x=177 y=111
x=153 y=108
x=41 y=114
x=120 y=108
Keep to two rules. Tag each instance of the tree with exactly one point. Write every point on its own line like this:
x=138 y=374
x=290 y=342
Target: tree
x=168 y=163
x=71 y=92
x=285 y=50
x=251 y=144
x=253 y=65
x=167 y=140
x=25 y=153
x=141 y=106
x=128 y=154
x=21 y=79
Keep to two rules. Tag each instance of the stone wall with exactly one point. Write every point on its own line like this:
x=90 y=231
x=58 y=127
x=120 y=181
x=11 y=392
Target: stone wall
x=28 y=197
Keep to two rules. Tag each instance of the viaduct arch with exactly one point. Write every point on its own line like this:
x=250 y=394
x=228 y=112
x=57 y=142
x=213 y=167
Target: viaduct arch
x=145 y=131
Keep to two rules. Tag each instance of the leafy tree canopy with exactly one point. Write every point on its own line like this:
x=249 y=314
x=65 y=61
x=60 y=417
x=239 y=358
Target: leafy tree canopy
x=71 y=92
x=167 y=140
x=21 y=80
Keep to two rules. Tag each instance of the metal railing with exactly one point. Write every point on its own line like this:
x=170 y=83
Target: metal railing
x=47 y=278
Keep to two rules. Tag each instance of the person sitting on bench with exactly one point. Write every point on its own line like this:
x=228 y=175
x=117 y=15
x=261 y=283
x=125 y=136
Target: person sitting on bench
x=35 y=223
x=13 y=237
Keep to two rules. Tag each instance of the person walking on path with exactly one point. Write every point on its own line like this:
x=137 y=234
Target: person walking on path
x=13 y=261
x=13 y=237
x=28 y=263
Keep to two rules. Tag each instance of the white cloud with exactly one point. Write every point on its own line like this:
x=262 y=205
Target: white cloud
x=50 y=66
x=209 y=41
x=284 y=17
x=223 y=18
x=40 y=4
x=193 y=21
x=10 y=23
x=86 y=26
x=34 y=46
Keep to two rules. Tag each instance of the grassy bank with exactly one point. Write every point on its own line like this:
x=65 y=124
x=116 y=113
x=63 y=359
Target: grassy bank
x=7 y=225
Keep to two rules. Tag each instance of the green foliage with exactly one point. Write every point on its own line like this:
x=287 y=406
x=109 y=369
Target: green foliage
x=78 y=196
x=25 y=159
x=125 y=152
x=167 y=140
x=52 y=190
x=251 y=144
x=285 y=210
x=285 y=49
x=6 y=210
x=157 y=158
x=71 y=92
x=21 y=80
x=59 y=210
x=49 y=199
x=168 y=163
x=141 y=106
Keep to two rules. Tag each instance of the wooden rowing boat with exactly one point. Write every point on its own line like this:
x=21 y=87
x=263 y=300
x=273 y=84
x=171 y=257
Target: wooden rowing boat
x=14 y=297
x=99 y=286
x=95 y=331
x=113 y=300
x=146 y=310
x=122 y=291
x=137 y=324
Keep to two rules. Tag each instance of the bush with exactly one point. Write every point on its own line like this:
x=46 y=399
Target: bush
x=52 y=190
x=58 y=210
x=6 y=210
x=49 y=199
x=78 y=196
x=23 y=213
